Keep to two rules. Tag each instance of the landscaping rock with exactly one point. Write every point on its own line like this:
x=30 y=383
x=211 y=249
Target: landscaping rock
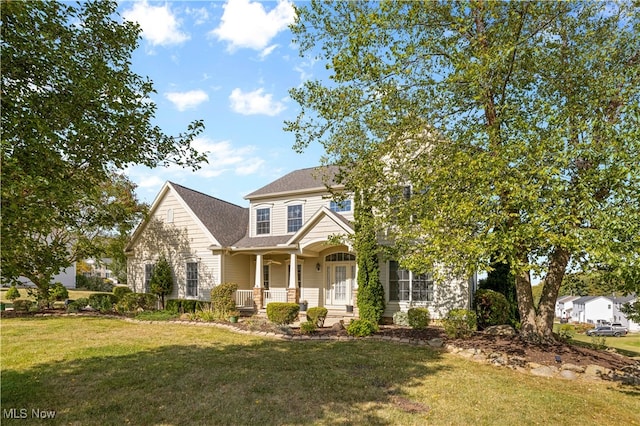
x=435 y=343
x=544 y=371
x=501 y=330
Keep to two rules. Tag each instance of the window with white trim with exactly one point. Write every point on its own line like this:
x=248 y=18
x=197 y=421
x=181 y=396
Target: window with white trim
x=407 y=286
x=192 y=278
x=148 y=271
x=294 y=217
x=263 y=221
x=340 y=206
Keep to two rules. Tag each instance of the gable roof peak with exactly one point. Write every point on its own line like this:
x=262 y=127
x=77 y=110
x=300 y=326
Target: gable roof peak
x=301 y=180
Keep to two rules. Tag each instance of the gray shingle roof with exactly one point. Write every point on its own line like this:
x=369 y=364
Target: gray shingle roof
x=299 y=180
x=226 y=221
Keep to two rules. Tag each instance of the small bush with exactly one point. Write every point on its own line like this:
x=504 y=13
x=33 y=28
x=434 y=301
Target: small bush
x=222 y=300
x=582 y=327
x=93 y=283
x=566 y=332
x=58 y=292
x=102 y=302
x=307 y=327
x=492 y=308
x=155 y=315
x=401 y=318
x=599 y=342
x=282 y=312
x=184 y=306
x=134 y=302
x=317 y=315
x=419 y=318
x=13 y=293
x=120 y=291
x=361 y=328
x=459 y=323
x=22 y=305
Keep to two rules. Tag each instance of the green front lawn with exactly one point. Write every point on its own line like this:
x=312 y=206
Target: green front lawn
x=109 y=371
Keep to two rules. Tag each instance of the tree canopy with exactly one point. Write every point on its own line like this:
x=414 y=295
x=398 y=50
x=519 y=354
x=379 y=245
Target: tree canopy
x=485 y=132
x=74 y=116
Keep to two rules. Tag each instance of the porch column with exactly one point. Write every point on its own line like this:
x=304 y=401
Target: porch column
x=258 y=298
x=293 y=292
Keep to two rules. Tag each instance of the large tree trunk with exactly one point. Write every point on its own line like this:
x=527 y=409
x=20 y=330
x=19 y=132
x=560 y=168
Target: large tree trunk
x=537 y=324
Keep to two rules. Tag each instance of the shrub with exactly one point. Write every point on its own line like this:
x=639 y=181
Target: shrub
x=566 y=332
x=102 y=302
x=184 y=306
x=120 y=291
x=599 y=342
x=419 y=318
x=282 y=312
x=22 y=305
x=134 y=302
x=401 y=318
x=155 y=315
x=58 y=292
x=77 y=305
x=161 y=281
x=307 y=327
x=93 y=283
x=459 y=323
x=492 y=308
x=222 y=300
x=361 y=328
x=13 y=293
x=317 y=315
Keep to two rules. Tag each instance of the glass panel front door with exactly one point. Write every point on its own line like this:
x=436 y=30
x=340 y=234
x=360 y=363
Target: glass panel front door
x=339 y=284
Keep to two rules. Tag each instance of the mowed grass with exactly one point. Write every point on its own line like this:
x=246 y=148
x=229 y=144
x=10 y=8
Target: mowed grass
x=95 y=371
x=628 y=345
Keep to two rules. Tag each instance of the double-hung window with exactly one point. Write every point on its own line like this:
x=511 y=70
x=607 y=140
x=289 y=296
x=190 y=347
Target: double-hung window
x=294 y=218
x=263 y=221
x=265 y=276
x=148 y=271
x=407 y=286
x=192 y=279
x=340 y=206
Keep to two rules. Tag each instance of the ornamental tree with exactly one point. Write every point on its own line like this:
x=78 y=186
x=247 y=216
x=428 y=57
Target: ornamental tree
x=161 y=281
x=74 y=116
x=514 y=125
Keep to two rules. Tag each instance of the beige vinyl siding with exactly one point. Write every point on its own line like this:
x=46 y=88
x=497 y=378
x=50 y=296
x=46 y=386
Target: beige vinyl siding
x=237 y=269
x=325 y=227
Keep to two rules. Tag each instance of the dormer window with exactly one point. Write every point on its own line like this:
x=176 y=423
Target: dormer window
x=340 y=206
x=263 y=221
x=294 y=218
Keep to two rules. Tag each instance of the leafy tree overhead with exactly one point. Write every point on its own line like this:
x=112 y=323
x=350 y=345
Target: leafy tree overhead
x=161 y=281
x=515 y=124
x=74 y=115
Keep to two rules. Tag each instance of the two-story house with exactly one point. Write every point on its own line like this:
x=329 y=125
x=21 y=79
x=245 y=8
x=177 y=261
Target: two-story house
x=283 y=247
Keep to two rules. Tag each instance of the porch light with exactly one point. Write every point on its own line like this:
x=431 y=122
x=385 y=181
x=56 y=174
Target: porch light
x=318 y=267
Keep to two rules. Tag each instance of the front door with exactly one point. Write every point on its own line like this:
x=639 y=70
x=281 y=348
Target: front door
x=340 y=278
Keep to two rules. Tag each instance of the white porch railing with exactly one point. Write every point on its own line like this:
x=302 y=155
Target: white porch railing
x=279 y=295
x=244 y=298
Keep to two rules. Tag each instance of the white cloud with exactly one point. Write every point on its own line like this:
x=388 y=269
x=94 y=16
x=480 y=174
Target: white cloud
x=247 y=25
x=255 y=102
x=201 y=15
x=159 y=25
x=186 y=100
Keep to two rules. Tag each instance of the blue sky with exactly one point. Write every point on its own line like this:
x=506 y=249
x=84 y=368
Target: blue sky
x=230 y=63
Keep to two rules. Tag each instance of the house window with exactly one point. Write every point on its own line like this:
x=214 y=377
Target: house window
x=170 y=216
x=340 y=206
x=148 y=271
x=265 y=277
x=263 y=221
x=406 y=286
x=340 y=257
x=192 y=279
x=294 y=218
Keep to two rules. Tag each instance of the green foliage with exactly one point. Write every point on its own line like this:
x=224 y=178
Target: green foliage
x=282 y=313
x=74 y=117
x=134 y=302
x=222 y=300
x=599 y=342
x=519 y=148
x=93 y=284
x=13 y=293
x=182 y=306
x=308 y=327
x=159 y=315
x=492 y=308
x=58 y=292
x=161 y=281
x=22 y=305
x=632 y=311
x=501 y=279
x=120 y=291
x=102 y=302
x=459 y=323
x=418 y=318
x=370 y=289
x=317 y=315
x=361 y=328
x=566 y=332
x=401 y=318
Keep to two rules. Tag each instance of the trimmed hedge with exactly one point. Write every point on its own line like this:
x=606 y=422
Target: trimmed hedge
x=361 y=328
x=134 y=302
x=307 y=327
x=492 y=308
x=222 y=300
x=459 y=323
x=120 y=291
x=282 y=312
x=102 y=302
x=317 y=315
x=418 y=318
x=13 y=293
x=22 y=305
x=401 y=318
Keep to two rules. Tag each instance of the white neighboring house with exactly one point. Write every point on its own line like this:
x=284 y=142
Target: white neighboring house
x=564 y=306
x=66 y=276
x=619 y=316
x=591 y=309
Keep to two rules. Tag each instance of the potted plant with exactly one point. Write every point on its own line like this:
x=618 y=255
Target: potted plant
x=303 y=305
x=233 y=316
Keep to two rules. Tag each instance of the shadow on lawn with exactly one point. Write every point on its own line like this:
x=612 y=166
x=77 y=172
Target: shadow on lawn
x=269 y=382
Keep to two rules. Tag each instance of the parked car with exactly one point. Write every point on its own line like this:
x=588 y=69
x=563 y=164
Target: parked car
x=606 y=330
x=619 y=326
